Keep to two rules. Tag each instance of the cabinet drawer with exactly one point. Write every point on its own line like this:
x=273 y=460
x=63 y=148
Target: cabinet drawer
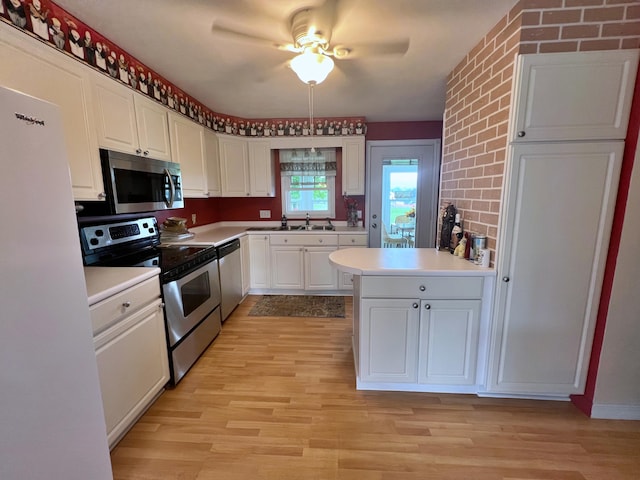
x=421 y=287
x=113 y=309
x=352 y=240
x=304 y=239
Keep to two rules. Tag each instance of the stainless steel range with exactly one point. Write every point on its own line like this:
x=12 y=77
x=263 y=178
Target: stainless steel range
x=189 y=277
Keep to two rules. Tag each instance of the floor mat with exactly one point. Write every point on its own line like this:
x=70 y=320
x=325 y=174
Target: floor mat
x=298 y=306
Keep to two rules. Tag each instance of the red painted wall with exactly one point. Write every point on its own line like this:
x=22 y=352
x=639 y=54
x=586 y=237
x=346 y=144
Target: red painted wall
x=585 y=402
x=404 y=130
x=248 y=209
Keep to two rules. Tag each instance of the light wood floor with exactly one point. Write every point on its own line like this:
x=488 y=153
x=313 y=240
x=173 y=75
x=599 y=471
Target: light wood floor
x=274 y=398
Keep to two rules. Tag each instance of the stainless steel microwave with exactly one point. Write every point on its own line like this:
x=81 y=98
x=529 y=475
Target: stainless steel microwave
x=140 y=184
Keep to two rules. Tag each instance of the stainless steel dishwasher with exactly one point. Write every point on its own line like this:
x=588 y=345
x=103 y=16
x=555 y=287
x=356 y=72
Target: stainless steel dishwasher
x=230 y=277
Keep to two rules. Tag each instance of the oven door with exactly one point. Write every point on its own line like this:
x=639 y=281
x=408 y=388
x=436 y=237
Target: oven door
x=189 y=299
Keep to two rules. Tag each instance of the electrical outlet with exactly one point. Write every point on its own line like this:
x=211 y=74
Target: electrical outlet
x=265 y=213
x=193 y=218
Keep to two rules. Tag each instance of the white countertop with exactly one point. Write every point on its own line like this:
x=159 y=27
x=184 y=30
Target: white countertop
x=103 y=282
x=216 y=235
x=404 y=261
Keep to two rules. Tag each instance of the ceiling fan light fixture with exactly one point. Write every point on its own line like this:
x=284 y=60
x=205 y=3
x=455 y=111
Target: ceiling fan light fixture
x=312 y=67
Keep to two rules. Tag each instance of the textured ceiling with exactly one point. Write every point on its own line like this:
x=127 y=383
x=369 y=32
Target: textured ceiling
x=252 y=80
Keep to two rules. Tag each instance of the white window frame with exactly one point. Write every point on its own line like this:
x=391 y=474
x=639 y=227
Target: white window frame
x=330 y=213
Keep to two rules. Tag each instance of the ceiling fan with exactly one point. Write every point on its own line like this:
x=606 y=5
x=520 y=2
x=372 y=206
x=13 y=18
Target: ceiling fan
x=311 y=29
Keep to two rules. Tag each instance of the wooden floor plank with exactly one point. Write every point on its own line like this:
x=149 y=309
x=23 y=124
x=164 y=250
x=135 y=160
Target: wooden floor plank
x=274 y=398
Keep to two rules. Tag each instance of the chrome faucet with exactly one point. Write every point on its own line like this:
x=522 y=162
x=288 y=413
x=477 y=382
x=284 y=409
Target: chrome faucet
x=283 y=222
x=307 y=220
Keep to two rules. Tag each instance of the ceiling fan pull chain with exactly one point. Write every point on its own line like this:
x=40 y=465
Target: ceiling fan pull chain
x=311 y=126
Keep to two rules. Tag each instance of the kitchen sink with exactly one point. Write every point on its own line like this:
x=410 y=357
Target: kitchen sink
x=322 y=227
x=291 y=228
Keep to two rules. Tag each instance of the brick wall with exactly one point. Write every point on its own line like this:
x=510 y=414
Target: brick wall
x=478 y=99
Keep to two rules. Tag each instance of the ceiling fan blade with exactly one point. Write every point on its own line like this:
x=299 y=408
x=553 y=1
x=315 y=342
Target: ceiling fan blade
x=234 y=34
x=371 y=49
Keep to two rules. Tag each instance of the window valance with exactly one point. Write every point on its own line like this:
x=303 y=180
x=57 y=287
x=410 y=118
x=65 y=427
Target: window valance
x=305 y=162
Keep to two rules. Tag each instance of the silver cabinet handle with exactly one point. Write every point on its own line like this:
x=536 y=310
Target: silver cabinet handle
x=415 y=305
x=138 y=151
x=505 y=279
x=422 y=288
x=146 y=152
x=102 y=195
x=161 y=306
x=521 y=133
x=126 y=304
x=427 y=307
x=374 y=225
x=320 y=240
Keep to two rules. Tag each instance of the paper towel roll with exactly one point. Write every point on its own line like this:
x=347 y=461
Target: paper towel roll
x=485 y=257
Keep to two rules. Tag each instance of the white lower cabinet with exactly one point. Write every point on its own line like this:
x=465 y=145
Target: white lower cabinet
x=245 y=260
x=389 y=341
x=301 y=262
x=259 y=262
x=448 y=345
x=425 y=343
x=131 y=352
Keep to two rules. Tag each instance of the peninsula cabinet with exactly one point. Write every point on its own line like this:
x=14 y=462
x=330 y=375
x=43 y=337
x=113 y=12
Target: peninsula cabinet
x=417 y=333
x=36 y=69
x=128 y=122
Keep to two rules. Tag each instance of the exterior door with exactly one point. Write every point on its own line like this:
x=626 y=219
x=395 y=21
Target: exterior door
x=402 y=192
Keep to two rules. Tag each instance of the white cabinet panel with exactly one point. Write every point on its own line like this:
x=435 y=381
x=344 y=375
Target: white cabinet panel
x=261 y=179
x=287 y=267
x=574 y=96
x=234 y=166
x=153 y=128
x=187 y=149
x=353 y=160
x=128 y=122
x=389 y=341
x=38 y=70
x=259 y=261
x=319 y=274
x=448 y=341
x=554 y=244
x=245 y=260
x=212 y=163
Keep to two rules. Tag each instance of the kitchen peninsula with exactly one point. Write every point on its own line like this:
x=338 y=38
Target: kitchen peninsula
x=421 y=319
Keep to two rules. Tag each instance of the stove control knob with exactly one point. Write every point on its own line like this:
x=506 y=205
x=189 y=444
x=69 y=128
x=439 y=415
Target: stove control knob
x=94 y=241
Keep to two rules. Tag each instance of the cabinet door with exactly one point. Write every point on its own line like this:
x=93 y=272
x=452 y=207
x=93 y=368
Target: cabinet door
x=574 y=96
x=389 y=340
x=287 y=268
x=234 y=166
x=555 y=235
x=212 y=163
x=115 y=115
x=153 y=128
x=38 y=70
x=133 y=367
x=448 y=342
x=353 y=166
x=259 y=261
x=319 y=274
x=261 y=168
x=245 y=260
x=187 y=149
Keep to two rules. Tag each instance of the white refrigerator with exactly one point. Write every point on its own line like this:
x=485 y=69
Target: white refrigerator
x=51 y=419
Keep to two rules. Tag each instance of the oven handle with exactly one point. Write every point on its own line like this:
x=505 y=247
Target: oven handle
x=169 y=202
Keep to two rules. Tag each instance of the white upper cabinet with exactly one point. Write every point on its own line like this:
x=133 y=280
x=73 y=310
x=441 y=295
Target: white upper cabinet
x=187 y=149
x=261 y=181
x=234 y=166
x=246 y=167
x=212 y=164
x=353 y=166
x=573 y=96
x=38 y=70
x=128 y=122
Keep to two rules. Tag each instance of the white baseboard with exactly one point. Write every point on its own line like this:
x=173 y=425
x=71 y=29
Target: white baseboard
x=615 y=412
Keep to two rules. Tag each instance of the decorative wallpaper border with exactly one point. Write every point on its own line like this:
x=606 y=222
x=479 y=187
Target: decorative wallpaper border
x=49 y=23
